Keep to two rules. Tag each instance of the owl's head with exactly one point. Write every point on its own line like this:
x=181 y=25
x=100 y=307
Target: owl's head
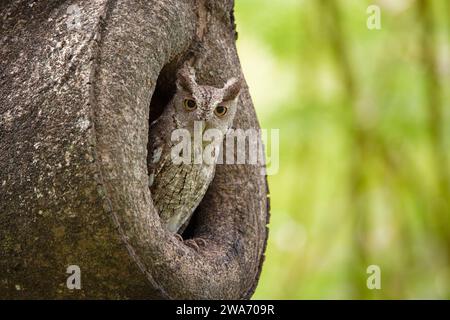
x=215 y=107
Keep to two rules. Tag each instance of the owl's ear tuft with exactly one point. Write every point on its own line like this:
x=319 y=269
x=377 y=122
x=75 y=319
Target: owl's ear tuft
x=186 y=79
x=231 y=89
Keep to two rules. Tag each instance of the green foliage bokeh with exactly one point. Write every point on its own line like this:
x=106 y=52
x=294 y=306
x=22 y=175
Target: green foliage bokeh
x=364 y=144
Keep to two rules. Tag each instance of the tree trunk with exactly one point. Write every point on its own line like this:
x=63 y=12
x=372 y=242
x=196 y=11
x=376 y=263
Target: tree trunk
x=77 y=89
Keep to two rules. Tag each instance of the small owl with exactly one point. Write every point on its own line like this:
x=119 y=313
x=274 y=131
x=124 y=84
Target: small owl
x=177 y=188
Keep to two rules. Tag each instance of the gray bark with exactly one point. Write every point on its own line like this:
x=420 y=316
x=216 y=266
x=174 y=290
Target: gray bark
x=74 y=119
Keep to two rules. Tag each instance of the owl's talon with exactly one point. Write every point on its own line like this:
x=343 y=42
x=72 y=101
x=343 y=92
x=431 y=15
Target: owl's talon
x=179 y=237
x=191 y=243
x=194 y=243
x=200 y=241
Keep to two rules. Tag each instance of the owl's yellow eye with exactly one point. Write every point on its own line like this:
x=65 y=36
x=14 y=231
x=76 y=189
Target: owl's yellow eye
x=220 y=111
x=189 y=104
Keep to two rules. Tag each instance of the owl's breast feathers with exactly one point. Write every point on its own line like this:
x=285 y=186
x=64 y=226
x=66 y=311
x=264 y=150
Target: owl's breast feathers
x=176 y=189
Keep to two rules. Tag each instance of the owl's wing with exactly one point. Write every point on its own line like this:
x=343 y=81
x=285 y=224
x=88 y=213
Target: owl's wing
x=159 y=145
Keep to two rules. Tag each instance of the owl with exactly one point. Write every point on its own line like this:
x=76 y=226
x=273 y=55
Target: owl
x=177 y=187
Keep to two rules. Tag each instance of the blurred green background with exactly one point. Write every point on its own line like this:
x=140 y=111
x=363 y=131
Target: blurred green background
x=364 y=119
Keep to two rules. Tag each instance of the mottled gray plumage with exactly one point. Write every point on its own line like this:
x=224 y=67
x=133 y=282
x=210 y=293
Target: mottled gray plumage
x=177 y=189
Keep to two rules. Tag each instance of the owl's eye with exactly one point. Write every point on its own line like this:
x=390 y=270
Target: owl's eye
x=189 y=104
x=220 y=111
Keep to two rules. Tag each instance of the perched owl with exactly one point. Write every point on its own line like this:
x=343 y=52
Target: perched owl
x=177 y=188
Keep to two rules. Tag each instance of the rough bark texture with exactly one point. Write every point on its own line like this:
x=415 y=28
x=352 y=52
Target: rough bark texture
x=74 y=119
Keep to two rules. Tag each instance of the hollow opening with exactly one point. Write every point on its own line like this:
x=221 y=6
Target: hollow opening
x=164 y=91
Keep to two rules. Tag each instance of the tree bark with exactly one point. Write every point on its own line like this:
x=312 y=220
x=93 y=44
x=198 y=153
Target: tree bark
x=74 y=120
